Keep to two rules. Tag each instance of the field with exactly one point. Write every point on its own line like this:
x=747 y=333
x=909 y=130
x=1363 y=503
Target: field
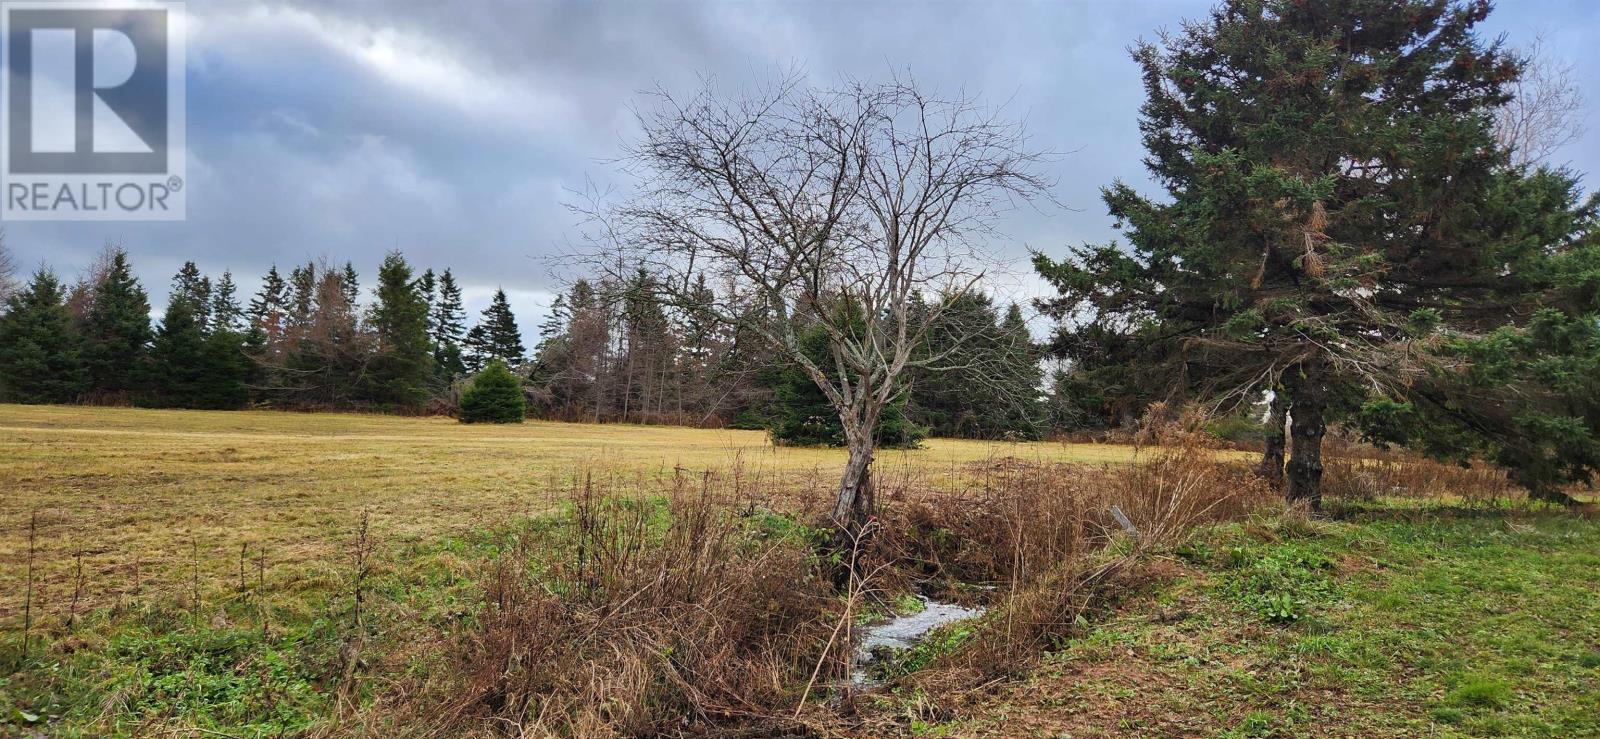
x=143 y=488
x=214 y=573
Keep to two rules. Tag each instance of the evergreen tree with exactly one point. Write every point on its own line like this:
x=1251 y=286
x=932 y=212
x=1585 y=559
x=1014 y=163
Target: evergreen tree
x=551 y=357
x=195 y=288
x=268 y=324
x=39 y=350
x=116 y=330
x=1526 y=394
x=402 y=364
x=554 y=325
x=495 y=396
x=350 y=286
x=985 y=380
x=177 y=356
x=329 y=354
x=1323 y=164
x=646 y=358
x=226 y=315
x=566 y=375
x=496 y=336
x=1021 y=377
x=1077 y=403
x=228 y=372
x=193 y=368
x=701 y=329
x=270 y=306
x=449 y=328
x=302 y=298
x=428 y=289
x=802 y=415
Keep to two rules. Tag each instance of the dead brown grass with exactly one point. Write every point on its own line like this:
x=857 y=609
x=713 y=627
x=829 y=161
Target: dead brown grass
x=1051 y=542
x=1357 y=473
x=628 y=616
x=695 y=616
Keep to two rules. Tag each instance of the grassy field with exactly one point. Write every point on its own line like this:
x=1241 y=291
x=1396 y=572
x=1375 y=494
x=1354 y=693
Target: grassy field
x=193 y=575
x=145 y=493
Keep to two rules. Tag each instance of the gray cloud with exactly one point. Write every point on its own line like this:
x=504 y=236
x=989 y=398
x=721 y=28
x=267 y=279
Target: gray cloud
x=452 y=130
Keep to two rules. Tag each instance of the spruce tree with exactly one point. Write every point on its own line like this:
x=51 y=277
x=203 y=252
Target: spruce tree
x=550 y=354
x=1020 y=378
x=428 y=289
x=225 y=385
x=554 y=324
x=269 y=306
x=196 y=288
x=448 y=322
x=177 y=357
x=803 y=416
x=39 y=349
x=194 y=368
x=350 y=285
x=496 y=336
x=302 y=298
x=1522 y=387
x=328 y=356
x=495 y=396
x=984 y=382
x=1323 y=164
x=116 y=331
x=402 y=363
x=226 y=315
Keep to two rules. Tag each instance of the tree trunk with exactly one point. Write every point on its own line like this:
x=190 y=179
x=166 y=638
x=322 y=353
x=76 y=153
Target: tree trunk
x=1309 y=393
x=1540 y=490
x=1272 y=456
x=855 y=502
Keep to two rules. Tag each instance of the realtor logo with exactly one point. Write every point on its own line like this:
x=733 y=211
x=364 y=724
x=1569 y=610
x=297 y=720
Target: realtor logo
x=92 y=111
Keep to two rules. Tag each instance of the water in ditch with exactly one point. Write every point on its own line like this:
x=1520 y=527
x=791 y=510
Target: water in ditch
x=886 y=640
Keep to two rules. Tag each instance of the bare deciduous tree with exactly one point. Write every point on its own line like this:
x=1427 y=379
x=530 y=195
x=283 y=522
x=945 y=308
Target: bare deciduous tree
x=823 y=209
x=1545 y=111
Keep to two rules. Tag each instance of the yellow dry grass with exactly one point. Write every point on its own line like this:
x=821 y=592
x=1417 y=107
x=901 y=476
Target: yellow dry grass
x=148 y=494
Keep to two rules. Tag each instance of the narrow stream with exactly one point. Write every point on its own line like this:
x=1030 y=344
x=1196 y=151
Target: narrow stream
x=902 y=633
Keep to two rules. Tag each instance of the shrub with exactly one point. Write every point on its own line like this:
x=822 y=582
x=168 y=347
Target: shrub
x=495 y=396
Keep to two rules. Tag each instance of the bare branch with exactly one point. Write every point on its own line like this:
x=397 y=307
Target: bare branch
x=1546 y=109
x=822 y=209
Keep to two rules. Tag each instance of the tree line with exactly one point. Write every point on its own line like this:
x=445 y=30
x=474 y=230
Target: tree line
x=301 y=341
x=622 y=349
x=608 y=351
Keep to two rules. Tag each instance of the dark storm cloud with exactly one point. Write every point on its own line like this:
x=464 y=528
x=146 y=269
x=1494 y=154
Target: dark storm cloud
x=452 y=130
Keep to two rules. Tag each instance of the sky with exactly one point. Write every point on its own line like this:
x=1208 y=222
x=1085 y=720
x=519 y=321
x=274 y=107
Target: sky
x=456 y=131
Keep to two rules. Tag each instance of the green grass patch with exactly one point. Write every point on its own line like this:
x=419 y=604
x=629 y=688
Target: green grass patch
x=1415 y=622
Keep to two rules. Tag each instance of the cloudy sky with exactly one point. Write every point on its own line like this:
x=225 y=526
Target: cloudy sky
x=453 y=130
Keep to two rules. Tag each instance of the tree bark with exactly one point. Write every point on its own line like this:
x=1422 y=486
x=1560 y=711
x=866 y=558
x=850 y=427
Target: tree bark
x=1308 y=396
x=852 y=510
x=1272 y=455
x=855 y=502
